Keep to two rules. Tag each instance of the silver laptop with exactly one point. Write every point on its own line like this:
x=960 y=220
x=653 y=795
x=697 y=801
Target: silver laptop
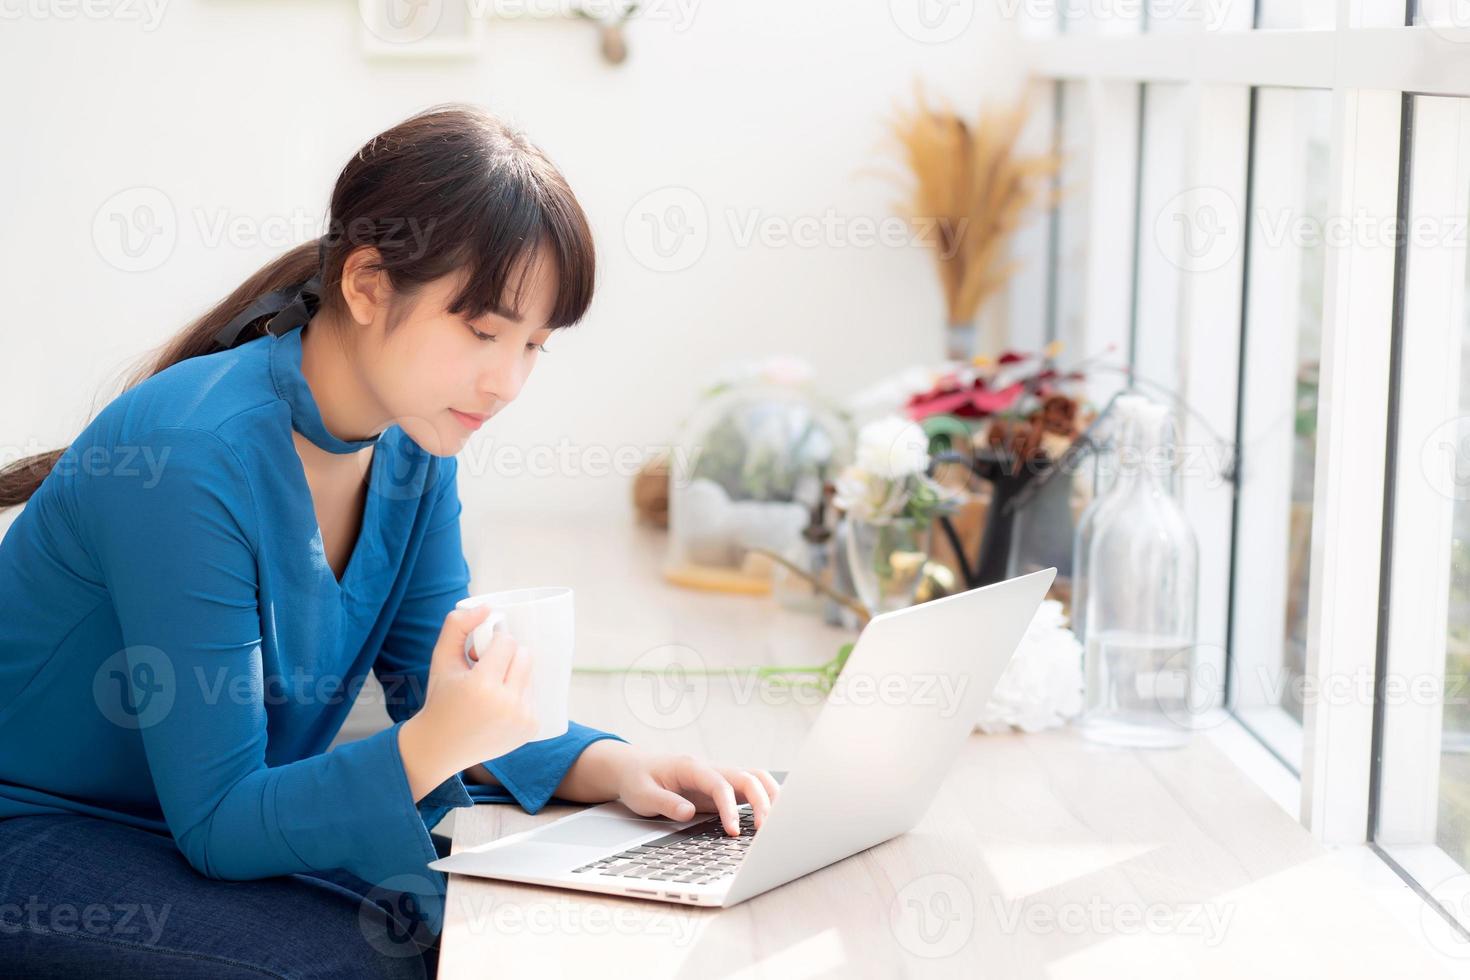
x=890 y=730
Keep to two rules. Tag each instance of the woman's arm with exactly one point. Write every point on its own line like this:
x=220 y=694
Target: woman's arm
x=597 y=773
x=593 y=778
x=584 y=765
x=438 y=579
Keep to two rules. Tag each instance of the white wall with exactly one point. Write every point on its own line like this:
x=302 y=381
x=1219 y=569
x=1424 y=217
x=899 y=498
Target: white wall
x=247 y=110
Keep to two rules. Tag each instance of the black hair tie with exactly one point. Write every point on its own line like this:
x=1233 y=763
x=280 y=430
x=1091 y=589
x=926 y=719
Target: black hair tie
x=291 y=307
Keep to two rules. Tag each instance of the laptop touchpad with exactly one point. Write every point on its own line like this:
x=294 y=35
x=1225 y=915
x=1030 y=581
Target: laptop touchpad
x=597 y=831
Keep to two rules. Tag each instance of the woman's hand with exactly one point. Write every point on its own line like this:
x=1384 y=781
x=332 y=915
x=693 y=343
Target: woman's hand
x=470 y=713
x=676 y=786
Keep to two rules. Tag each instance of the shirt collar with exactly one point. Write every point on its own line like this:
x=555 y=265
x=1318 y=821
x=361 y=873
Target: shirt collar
x=285 y=361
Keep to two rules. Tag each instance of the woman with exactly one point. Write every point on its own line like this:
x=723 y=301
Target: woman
x=201 y=581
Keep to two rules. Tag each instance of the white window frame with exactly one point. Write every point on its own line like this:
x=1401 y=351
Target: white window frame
x=1433 y=314
x=1367 y=62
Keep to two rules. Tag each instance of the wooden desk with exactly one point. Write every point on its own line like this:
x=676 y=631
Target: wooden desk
x=1041 y=856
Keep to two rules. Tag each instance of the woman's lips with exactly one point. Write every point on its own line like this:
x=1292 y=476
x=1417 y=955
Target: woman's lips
x=471 y=422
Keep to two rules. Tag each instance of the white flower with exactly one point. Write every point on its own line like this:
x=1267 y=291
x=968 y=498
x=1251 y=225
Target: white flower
x=867 y=496
x=1042 y=686
x=892 y=447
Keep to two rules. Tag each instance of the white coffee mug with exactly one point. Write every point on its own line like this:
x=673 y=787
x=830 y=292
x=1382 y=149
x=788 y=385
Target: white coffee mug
x=541 y=621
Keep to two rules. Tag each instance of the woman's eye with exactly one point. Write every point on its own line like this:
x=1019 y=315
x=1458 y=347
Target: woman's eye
x=486 y=336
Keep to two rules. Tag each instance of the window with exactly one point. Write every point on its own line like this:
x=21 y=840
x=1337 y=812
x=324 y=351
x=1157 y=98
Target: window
x=1278 y=425
x=1423 y=814
x=1282 y=14
x=1070 y=222
x=1164 y=242
x=1244 y=172
x=1092 y=281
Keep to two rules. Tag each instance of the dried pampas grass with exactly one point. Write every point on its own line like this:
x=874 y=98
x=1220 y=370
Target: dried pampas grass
x=971 y=187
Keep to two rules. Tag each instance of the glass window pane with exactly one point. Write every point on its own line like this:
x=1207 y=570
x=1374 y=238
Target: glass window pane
x=1070 y=288
x=1289 y=180
x=1296 y=14
x=1093 y=275
x=1158 y=346
x=1453 y=826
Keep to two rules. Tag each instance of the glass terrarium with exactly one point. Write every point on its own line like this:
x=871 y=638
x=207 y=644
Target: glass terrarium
x=750 y=472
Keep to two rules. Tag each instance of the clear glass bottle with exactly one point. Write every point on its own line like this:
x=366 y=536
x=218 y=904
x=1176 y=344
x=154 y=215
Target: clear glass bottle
x=1142 y=569
x=1104 y=482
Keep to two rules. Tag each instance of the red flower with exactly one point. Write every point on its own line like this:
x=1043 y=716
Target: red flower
x=974 y=402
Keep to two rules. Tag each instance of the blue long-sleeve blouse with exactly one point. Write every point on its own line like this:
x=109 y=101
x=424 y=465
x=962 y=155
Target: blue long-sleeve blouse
x=177 y=654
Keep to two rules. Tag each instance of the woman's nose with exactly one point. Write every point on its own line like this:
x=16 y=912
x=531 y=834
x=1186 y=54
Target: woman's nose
x=503 y=379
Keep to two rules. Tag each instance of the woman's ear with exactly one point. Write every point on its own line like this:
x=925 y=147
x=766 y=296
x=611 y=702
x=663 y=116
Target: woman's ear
x=365 y=289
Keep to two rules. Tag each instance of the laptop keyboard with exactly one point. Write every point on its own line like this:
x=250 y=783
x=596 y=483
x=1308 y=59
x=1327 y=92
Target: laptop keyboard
x=698 y=854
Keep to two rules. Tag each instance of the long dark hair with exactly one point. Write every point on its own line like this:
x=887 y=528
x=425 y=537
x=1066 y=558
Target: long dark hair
x=450 y=187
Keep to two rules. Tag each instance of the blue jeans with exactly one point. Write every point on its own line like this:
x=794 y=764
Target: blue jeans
x=87 y=897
